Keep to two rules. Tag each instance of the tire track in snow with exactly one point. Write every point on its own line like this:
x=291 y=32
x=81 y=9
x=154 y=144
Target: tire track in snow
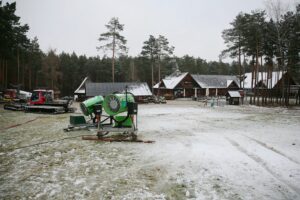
x=263 y=164
x=272 y=149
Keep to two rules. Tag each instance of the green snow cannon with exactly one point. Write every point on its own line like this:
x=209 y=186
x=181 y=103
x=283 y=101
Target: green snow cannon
x=87 y=105
x=117 y=103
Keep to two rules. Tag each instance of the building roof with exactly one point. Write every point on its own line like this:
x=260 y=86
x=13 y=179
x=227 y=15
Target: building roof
x=234 y=94
x=172 y=80
x=81 y=88
x=215 y=81
x=262 y=77
x=137 y=89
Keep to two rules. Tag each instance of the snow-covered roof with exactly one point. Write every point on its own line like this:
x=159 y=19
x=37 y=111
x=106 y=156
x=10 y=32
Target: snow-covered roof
x=81 y=88
x=172 y=80
x=25 y=93
x=214 y=81
x=156 y=85
x=262 y=77
x=137 y=89
x=234 y=94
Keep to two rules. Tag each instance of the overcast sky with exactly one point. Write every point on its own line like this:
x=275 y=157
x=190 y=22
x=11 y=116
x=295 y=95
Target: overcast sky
x=193 y=27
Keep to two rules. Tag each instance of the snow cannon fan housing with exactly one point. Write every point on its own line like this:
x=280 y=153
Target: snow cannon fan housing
x=117 y=103
x=87 y=107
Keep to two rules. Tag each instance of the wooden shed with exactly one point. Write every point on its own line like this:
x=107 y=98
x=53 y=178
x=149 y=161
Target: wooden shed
x=233 y=97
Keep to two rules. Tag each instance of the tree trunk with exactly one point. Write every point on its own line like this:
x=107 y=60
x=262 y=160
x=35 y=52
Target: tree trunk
x=252 y=77
x=158 y=90
x=132 y=70
x=1 y=72
x=268 y=90
x=152 y=74
x=52 y=77
x=18 y=62
x=36 y=76
x=287 y=96
x=276 y=91
x=113 y=59
x=271 y=83
x=262 y=76
x=158 y=70
x=256 y=73
x=240 y=66
x=23 y=75
x=6 y=68
x=29 y=78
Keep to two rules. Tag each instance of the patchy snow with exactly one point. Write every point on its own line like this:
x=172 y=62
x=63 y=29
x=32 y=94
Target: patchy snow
x=228 y=152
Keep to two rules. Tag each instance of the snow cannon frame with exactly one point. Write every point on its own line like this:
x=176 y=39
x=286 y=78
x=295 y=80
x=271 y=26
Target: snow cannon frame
x=121 y=110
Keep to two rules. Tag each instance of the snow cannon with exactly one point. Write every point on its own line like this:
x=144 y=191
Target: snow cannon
x=120 y=117
x=116 y=105
x=88 y=106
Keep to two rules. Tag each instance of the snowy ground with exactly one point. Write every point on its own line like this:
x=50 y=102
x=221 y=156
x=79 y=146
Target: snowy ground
x=200 y=152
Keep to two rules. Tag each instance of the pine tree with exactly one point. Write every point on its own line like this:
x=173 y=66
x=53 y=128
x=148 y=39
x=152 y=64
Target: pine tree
x=115 y=41
x=149 y=50
x=156 y=49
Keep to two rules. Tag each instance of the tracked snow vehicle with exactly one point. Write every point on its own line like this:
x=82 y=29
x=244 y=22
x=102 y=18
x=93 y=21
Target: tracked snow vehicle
x=43 y=101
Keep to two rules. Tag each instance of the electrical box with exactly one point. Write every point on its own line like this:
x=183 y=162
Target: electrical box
x=132 y=108
x=76 y=120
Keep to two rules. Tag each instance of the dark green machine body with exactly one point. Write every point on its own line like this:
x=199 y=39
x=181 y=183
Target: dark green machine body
x=120 y=114
x=120 y=109
x=87 y=107
x=117 y=103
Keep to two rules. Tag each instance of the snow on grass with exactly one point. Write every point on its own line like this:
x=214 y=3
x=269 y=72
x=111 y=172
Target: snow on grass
x=230 y=152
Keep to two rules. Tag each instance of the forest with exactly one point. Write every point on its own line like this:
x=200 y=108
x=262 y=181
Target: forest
x=255 y=42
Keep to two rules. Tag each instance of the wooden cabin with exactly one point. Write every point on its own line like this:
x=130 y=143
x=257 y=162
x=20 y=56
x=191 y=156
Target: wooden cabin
x=233 y=97
x=182 y=85
x=176 y=85
x=215 y=85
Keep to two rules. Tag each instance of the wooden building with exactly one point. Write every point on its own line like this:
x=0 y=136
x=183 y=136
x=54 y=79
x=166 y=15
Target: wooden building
x=268 y=83
x=139 y=90
x=181 y=85
x=88 y=89
x=215 y=85
x=233 y=97
x=176 y=85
